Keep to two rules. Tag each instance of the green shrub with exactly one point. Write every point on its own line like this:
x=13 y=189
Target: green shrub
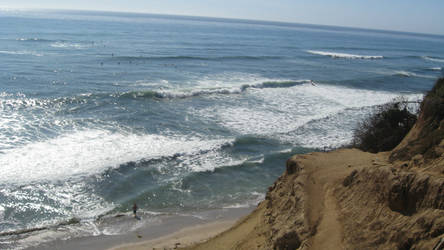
x=385 y=129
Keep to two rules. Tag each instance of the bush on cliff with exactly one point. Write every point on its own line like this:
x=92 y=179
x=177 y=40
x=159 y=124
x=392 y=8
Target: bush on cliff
x=385 y=129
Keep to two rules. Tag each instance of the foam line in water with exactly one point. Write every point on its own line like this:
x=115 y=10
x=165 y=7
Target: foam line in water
x=90 y=152
x=70 y=45
x=433 y=59
x=404 y=73
x=342 y=55
x=32 y=39
x=435 y=69
x=256 y=198
x=21 y=52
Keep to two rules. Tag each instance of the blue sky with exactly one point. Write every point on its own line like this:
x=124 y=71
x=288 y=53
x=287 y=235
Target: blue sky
x=402 y=15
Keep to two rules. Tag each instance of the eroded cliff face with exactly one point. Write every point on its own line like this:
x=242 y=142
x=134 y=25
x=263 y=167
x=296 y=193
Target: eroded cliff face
x=384 y=207
x=425 y=140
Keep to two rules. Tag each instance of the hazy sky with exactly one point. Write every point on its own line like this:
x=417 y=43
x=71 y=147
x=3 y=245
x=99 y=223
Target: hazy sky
x=404 y=15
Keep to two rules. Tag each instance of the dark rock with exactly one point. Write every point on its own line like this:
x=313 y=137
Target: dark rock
x=288 y=241
x=292 y=167
x=349 y=179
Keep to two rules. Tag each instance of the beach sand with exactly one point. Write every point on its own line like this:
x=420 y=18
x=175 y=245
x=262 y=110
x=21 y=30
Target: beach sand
x=158 y=232
x=184 y=237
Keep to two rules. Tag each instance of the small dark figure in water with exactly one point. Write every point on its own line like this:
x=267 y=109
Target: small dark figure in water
x=135 y=209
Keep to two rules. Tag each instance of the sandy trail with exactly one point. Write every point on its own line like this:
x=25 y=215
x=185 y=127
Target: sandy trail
x=325 y=171
x=329 y=233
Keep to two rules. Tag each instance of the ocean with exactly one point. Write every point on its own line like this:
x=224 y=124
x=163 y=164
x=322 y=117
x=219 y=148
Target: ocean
x=181 y=115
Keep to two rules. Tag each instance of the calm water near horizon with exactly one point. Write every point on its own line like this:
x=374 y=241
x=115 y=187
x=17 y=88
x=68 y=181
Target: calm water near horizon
x=178 y=114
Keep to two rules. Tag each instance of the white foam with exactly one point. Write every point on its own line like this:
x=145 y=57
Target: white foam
x=404 y=73
x=66 y=199
x=236 y=81
x=329 y=132
x=142 y=83
x=433 y=59
x=436 y=68
x=277 y=112
x=255 y=199
x=229 y=79
x=355 y=98
x=208 y=161
x=28 y=39
x=342 y=55
x=2 y=213
x=21 y=52
x=257 y=161
x=69 y=45
x=89 y=152
x=15 y=121
x=184 y=93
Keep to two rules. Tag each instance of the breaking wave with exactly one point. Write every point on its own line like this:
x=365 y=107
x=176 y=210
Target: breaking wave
x=33 y=39
x=433 y=59
x=405 y=73
x=435 y=69
x=173 y=94
x=342 y=55
x=70 y=45
x=20 y=52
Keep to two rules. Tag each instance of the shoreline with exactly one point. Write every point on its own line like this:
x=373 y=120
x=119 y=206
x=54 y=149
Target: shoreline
x=164 y=231
x=182 y=238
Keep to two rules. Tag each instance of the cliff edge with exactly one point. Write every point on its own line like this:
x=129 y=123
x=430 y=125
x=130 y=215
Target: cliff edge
x=349 y=199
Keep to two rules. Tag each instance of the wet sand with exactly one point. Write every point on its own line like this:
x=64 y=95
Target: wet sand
x=163 y=232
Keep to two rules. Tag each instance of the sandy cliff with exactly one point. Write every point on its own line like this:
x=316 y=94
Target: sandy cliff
x=349 y=199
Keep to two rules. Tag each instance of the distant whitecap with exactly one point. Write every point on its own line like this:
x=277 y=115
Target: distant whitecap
x=343 y=55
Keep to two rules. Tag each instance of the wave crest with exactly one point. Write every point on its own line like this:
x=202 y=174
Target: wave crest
x=174 y=94
x=405 y=73
x=433 y=59
x=20 y=52
x=33 y=39
x=342 y=55
x=435 y=69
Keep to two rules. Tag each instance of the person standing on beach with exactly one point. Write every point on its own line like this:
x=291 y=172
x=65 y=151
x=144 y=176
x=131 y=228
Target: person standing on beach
x=135 y=209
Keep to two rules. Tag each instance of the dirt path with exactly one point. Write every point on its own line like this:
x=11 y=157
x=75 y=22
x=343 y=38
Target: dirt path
x=325 y=171
x=329 y=232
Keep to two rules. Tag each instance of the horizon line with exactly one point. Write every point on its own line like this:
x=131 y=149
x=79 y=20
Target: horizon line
x=2 y=8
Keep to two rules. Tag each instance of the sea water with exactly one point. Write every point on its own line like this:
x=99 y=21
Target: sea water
x=178 y=114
